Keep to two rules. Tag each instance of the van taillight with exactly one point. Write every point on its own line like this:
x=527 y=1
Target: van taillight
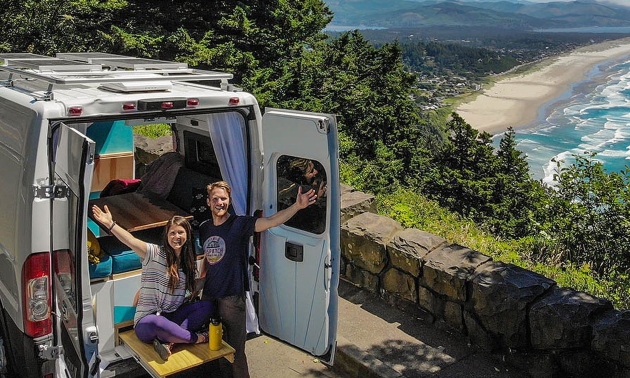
x=62 y=262
x=36 y=295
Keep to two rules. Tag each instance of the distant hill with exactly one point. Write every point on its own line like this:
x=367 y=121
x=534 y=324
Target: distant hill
x=514 y=14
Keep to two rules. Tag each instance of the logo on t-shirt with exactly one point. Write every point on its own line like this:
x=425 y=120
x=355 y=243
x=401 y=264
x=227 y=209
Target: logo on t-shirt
x=214 y=249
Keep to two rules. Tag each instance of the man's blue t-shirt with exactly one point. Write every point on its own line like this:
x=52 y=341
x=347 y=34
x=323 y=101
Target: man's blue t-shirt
x=225 y=249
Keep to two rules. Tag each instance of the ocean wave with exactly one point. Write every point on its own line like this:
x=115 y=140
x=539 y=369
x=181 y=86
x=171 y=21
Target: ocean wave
x=598 y=141
x=613 y=153
x=594 y=119
x=563 y=159
x=621 y=134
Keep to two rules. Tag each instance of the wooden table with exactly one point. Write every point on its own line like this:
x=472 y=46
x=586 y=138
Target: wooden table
x=137 y=211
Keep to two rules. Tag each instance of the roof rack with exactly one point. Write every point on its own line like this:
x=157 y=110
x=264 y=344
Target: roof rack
x=94 y=67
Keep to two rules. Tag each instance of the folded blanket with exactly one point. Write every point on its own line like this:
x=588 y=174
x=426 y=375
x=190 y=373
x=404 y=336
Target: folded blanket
x=120 y=186
x=160 y=174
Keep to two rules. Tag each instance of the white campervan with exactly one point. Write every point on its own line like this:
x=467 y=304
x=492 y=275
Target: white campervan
x=67 y=141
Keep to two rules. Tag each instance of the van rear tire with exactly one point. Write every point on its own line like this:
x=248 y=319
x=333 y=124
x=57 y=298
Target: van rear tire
x=6 y=369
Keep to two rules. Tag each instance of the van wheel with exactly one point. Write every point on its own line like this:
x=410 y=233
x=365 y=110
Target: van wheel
x=5 y=366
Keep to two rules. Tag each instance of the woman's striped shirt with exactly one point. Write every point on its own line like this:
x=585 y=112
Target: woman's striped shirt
x=155 y=297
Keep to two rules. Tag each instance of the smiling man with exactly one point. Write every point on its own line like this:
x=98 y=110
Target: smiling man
x=224 y=239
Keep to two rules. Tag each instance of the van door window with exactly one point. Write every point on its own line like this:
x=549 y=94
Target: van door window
x=295 y=172
x=200 y=155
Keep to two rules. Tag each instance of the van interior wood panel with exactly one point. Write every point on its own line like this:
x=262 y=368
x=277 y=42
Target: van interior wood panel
x=112 y=166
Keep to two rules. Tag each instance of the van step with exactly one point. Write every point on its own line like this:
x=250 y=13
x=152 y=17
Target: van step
x=185 y=356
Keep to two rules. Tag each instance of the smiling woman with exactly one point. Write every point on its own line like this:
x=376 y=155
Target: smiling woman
x=168 y=273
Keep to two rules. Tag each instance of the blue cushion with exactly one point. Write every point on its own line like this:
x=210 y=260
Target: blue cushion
x=123 y=313
x=102 y=269
x=123 y=259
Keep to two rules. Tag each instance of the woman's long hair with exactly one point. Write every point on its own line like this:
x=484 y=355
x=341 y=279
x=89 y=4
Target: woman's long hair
x=186 y=257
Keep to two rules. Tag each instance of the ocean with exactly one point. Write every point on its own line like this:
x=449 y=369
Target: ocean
x=592 y=116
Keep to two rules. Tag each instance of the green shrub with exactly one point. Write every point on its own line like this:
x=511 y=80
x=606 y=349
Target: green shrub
x=413 y=210
x=153 y=131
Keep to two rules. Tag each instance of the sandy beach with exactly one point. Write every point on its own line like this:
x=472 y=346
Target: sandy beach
x=515 y=100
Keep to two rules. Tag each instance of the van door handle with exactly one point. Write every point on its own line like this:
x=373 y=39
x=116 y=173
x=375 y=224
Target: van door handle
x=294 y=252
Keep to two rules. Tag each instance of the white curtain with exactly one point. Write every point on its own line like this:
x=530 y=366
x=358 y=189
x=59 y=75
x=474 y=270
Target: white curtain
x=227 y=131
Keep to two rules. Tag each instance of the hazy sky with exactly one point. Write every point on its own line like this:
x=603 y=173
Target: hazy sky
x=620 y=2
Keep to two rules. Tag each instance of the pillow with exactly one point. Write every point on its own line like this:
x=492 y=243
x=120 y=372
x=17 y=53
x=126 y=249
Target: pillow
x=120 y=186
x=199 y=207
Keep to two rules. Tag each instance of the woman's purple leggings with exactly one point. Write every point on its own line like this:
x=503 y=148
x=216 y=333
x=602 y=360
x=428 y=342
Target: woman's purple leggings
x=178 y=326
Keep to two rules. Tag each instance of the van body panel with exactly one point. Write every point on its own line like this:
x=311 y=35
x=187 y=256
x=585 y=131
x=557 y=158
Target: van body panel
x=299 y=269
x=19 y=129
x=14 y=123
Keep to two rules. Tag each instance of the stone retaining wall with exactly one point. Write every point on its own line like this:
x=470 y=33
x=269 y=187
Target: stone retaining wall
x=517 y=314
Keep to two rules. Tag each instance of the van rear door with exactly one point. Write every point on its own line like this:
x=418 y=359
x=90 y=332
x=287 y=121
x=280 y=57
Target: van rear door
x=299 y=261
x=71 y=163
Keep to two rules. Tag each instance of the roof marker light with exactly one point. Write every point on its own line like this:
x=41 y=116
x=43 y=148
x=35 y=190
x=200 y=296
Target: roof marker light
x=234 y=101
x=192 y=102
x=167 y=105
x=129 y=106
x=75 y=111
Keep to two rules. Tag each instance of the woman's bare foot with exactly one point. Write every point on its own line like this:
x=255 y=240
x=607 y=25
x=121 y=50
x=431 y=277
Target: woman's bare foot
x=202 y=337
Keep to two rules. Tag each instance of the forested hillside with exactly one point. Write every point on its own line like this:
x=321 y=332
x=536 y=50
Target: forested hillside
x=278 y=51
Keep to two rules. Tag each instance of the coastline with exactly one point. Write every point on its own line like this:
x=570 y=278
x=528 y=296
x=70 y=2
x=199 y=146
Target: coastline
x=515 y=101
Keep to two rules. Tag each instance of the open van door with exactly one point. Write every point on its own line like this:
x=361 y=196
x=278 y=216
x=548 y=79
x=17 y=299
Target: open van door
x=71 y=159
x=299 y=261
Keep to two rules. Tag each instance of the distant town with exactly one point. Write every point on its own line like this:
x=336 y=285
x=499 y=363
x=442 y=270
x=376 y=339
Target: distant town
x=448 y=66
x=454 y=47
